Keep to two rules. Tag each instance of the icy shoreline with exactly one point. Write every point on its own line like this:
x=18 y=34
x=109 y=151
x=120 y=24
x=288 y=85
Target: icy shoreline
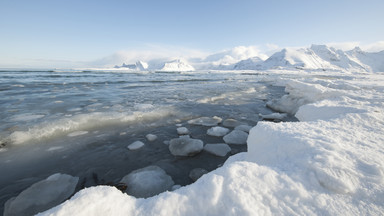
x=329 y=163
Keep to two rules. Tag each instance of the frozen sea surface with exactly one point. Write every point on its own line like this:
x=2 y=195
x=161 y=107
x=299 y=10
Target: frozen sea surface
x=80 y=123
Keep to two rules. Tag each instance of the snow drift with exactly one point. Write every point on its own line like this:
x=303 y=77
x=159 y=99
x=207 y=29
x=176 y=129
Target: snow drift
x=329 y=163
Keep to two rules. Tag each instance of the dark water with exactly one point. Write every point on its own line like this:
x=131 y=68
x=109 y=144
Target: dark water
x=80 y=123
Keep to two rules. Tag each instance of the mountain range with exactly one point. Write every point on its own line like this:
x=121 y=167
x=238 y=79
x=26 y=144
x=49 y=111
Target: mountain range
x=316 y=57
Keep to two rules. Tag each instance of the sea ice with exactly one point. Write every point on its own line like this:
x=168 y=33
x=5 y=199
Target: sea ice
x=77 y=133
x=197 y=173
x=231 y=123
x=217 y=131
x=42 y=195
x=151 y=137
x=147 y=182
x=135 y=145
x=182 y=131
x=245 y=128
x=236 y=137
x=219 y=149
x=274 y=116
x=206 y=121
x=185 y=146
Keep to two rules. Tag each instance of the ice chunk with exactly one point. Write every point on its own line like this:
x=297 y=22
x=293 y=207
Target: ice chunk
x=77 y=133
x=217 y=131
x=182 y=131
x=197 y=173
x=42 y=195
x=135 y=145
x=185 y=146
x=236 y=137
x=231 y=123
x=206 y=121
x=245 y=128
x=26 y=117
x=219 y=149
x=147 y=182
x=151 y=137
x=175 y=187
x=274 y=116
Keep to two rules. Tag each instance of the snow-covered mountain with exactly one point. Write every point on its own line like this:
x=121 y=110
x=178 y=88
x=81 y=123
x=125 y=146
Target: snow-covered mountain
x=177 y=65
x=253 y=63
x=318 y=57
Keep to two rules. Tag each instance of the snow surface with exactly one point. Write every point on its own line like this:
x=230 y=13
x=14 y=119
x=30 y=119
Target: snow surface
x=329 y=163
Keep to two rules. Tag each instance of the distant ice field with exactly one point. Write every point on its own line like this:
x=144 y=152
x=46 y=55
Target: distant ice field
x=80 y=123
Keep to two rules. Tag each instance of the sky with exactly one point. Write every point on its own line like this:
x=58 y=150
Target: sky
x=69 y=33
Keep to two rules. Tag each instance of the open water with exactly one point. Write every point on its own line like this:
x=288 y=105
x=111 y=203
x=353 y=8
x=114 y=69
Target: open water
x=80 y=123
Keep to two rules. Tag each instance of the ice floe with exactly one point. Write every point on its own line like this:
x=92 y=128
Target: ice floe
x=236 y=137
x=151 y=137
x=206 y=121
x=218 y=149
x=135 y=145
x=42 y=195
x=185 y=146
x=147 y=182
x=217 y=131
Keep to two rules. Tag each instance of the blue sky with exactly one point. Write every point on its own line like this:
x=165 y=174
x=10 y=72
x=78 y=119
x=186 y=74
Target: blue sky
x=41 y=31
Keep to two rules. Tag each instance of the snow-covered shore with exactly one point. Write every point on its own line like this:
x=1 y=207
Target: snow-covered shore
x=329 y=163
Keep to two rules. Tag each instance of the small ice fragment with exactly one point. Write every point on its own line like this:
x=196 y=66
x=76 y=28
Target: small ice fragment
x=54 y=148
x=185 y=146
x=184 y=136
x=206 y=121
x=75 y=109
x=220 y=149
x=182 y=131
x=151 y=137
x=231 y=123
x=147 y=182
x=178 y=125
x=42 y=195
x=236 y=137
x=217 y=131
x=59 y=101
x=166 y=142
x=175 y=187
x=123 y=133
x=77 y=133
x=197 y=173
x=274 y=116
x=135 y=145
x=245 y=128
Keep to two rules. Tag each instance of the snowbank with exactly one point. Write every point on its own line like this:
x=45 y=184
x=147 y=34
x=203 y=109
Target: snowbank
x=329 y=163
